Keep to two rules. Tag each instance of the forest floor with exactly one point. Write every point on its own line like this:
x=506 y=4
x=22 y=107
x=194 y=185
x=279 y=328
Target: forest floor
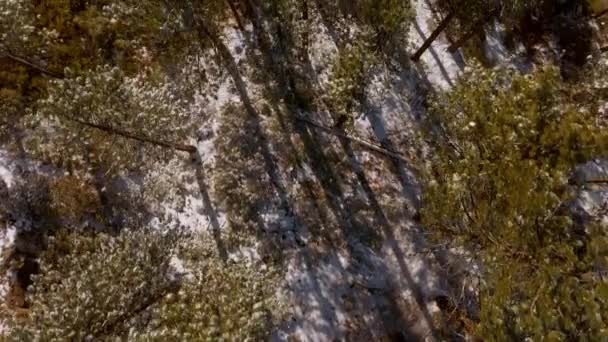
x=356 y=264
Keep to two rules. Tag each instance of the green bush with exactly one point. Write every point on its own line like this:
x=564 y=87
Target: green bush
x=348 y=79
x=498 y=184
x=240 y=180
x=92 y=285
x=129 y=286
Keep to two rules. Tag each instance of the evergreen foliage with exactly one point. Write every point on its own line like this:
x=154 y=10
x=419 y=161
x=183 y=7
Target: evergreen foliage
x=107 y=120
x=346 y=88
x=96 y=98
x=107 y=287
x=498 y=183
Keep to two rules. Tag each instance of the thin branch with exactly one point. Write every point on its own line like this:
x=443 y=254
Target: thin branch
x=128 y=135
x=596 y=181
x=25 y=62
x=367 y=144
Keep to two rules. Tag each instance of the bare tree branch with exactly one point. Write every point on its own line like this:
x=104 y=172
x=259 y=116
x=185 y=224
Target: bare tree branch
x=23 y=61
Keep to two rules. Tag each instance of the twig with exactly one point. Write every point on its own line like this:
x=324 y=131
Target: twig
x=29 y=64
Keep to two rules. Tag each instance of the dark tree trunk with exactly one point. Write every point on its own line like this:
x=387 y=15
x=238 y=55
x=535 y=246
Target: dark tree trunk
x=427 y=43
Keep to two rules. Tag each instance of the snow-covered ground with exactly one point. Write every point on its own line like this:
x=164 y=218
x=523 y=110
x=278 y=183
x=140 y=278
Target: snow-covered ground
x=6 y=175
x=347 y=289
x=353 y=291
x=440 y=66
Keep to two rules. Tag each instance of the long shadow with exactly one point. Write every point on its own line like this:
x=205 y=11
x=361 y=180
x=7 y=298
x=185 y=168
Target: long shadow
x=443 y=256
x=271 y=166
x=284 y=90
x=334 y=196
x=329 y=316
x=383 y=222
x=210 y=212
x=287 y=91
x=269 y=162
x=409 y=185
x=332 y=192
x=329 y=23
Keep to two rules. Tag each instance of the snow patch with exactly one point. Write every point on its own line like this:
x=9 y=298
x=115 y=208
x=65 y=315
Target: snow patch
x=6 y=173
x=442 y=67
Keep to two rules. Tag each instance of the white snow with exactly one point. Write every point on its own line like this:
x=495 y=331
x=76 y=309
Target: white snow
x=5 y=169
x=347 y=291
x=442 y=67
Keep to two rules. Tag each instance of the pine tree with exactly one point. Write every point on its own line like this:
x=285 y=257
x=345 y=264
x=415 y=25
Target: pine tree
x=127 y=286
x=498 y=185
x=105 y=119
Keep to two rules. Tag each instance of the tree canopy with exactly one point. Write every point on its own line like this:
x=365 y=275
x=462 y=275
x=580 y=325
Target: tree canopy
x=498 y=184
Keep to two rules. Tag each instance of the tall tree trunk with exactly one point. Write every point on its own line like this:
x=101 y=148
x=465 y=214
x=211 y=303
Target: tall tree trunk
x=131 y=136
x=236 y=14
x=427 y=43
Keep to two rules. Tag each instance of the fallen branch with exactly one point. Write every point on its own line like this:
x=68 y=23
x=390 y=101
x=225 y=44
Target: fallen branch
x=366 y=144
x=125 y=134
x=25 y=62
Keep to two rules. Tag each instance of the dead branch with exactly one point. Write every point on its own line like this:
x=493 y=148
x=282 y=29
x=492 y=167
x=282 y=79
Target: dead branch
x=23 y=61
x=128 y=135
x=366 y=144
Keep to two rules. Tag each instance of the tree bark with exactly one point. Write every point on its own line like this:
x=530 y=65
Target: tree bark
x=427 y=43
x=131 y=136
